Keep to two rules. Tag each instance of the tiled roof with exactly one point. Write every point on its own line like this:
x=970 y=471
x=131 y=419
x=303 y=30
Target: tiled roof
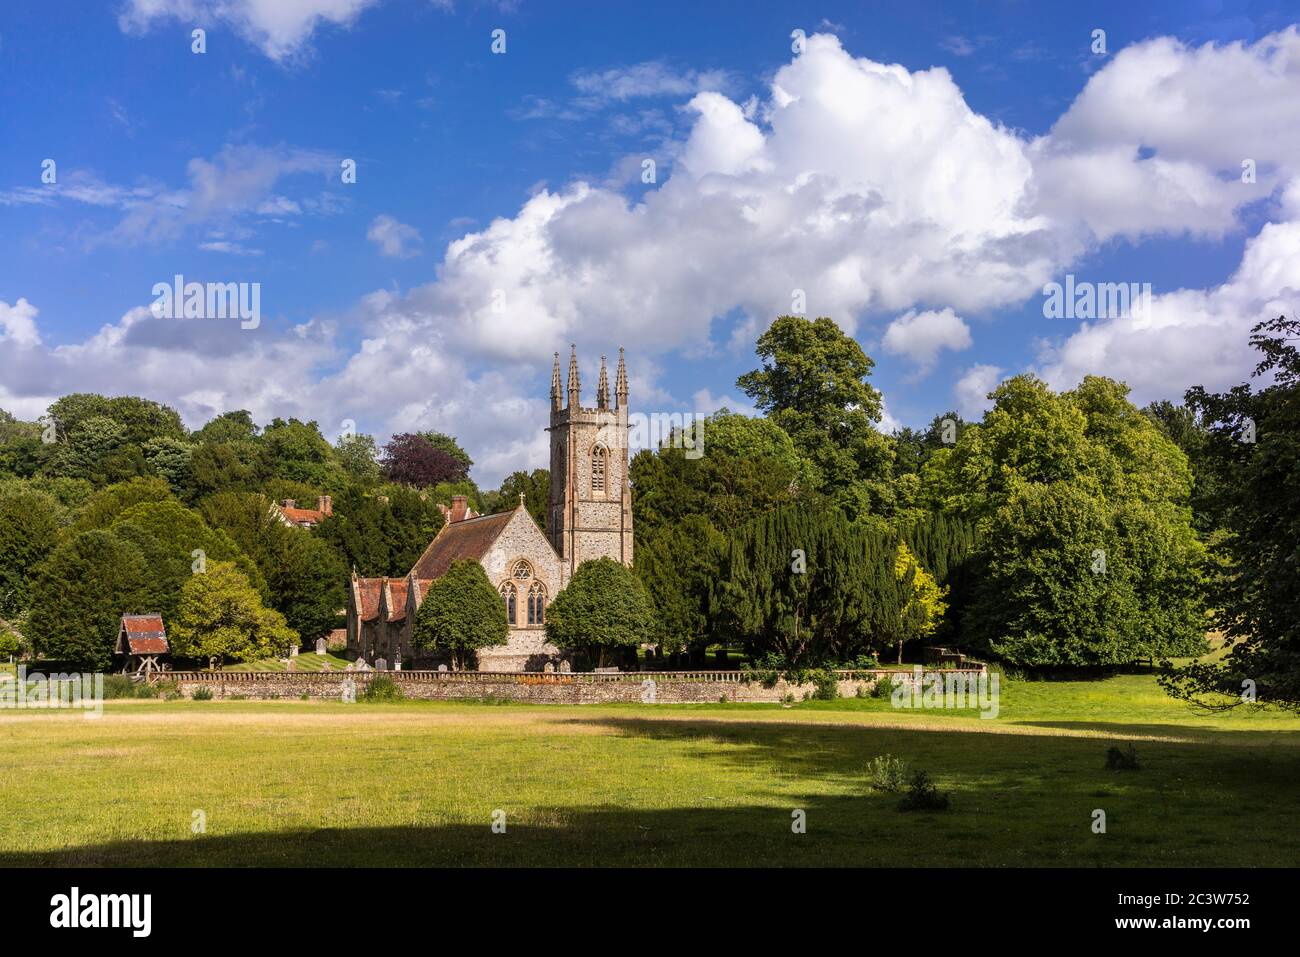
x=397 y=595
x=460 y=540
x=300 y=516
x=368 y=597
x=144 y=635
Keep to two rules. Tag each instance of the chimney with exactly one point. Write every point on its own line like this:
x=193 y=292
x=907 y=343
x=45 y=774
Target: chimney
x=324 y=505
x=287 y=503
x=459 y=505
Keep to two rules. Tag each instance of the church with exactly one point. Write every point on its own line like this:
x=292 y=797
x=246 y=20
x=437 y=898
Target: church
x=589 y=516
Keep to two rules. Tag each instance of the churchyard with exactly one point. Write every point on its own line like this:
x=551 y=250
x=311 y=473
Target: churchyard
x=189 y=783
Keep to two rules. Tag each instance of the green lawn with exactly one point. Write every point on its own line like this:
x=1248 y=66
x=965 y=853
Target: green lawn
x=416 y=783
x=305 y=661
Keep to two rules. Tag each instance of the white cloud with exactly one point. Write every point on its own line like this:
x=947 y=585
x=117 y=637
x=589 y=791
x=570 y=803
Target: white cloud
x=281 y=28
x=921 y=335
x=18 y=323
x=1191 y=336
x=972 y=389
x=649 y=79
x=1155 y=142
x=394 y=238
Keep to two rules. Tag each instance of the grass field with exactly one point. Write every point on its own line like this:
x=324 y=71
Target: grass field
x=416 y=783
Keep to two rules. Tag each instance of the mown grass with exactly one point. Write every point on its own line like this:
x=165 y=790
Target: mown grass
x=302 y=783
x=305 y=661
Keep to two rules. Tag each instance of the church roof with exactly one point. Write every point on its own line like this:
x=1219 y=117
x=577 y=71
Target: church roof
x=470 y=538
x=397 y=592
x=368 y=597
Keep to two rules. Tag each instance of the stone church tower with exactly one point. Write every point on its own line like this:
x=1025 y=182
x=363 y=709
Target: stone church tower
x=591 y=501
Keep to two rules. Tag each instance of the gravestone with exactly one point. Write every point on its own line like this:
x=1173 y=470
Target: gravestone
x=349 y=691
x=564 y=666
x=325 y=666
x=442 y=668
x=321 y=646
x=381 y=664
x=549 y=668
x=397 y=663
x=291 y=666
x=293 y=651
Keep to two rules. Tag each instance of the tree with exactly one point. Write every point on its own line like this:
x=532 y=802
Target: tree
x=678 y=565
x=807 y=585
x=219 y=616
x=445 y=443
x=1252 y=455
x=381 y=533
x=410 y=459
x=306 y=576
x=297 y=451
x=813 y=385
x=921 y=601
x=104 y=507
x=604 y=606
x=228 y=427
x=29 y=532
x=536 y=489
x=359 y=457
x=79 y=594
x=178 y=544
x=1086 y=553
x=461 y=613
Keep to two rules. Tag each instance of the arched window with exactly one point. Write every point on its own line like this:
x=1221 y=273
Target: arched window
x=510 y=595
x=599 y=459
x=537 y=604
x=521 y=570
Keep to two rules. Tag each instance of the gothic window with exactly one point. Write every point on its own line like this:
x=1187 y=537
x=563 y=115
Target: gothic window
x=509 y=594
x=599 y=459
x=537 y=604
x=521 y=570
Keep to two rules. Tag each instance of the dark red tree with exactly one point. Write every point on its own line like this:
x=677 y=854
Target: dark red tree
x=410 y=459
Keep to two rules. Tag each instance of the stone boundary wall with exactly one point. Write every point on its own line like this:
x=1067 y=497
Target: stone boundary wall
x=670 y=687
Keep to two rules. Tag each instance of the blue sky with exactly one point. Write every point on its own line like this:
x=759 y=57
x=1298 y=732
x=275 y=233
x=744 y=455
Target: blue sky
x=919 y=170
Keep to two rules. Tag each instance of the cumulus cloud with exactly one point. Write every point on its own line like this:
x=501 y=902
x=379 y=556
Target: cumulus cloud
x=921 y=335
x=1156 y=140
x=393 y=238
x=282 y=29
x=972 y=389
x=1191 y=336
x=18 y=323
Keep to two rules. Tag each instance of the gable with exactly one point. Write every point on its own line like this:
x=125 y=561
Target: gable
x=457 y=541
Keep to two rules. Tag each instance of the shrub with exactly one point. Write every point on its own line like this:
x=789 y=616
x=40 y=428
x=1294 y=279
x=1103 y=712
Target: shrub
x=202 y=693
x=887 y=773
x=922 y=795
x=119 y=686
x=883 y=688
x=722 y=699
x=827 y=685
x=1122 y=759
x=382 y=688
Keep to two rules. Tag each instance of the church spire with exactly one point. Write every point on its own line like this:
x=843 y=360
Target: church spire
x=556 y=395
x=620 y=383
x=575 y=385
x=602 y=390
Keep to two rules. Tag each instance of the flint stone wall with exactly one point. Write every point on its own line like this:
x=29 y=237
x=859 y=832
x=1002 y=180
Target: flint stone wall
x=670 y=687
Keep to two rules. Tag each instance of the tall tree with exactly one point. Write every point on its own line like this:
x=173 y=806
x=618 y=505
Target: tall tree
x=461 y=613
x=79 y=594
x=219 y=616
x=813 y=385
x=603 y=607
x=410 y=459
x=29 y=532
x=1253 y=456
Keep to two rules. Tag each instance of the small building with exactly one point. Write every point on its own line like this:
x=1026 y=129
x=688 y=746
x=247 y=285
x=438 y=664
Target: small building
x=288 y=512
x=142 y=639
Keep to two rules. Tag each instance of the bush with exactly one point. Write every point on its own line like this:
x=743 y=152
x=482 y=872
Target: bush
x=827 y=685
x=119 y=686
x=382 y=688
x=887 y=773
x=884 y=687
x=1122 y=759
x=922 y=795
x=202 y=693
